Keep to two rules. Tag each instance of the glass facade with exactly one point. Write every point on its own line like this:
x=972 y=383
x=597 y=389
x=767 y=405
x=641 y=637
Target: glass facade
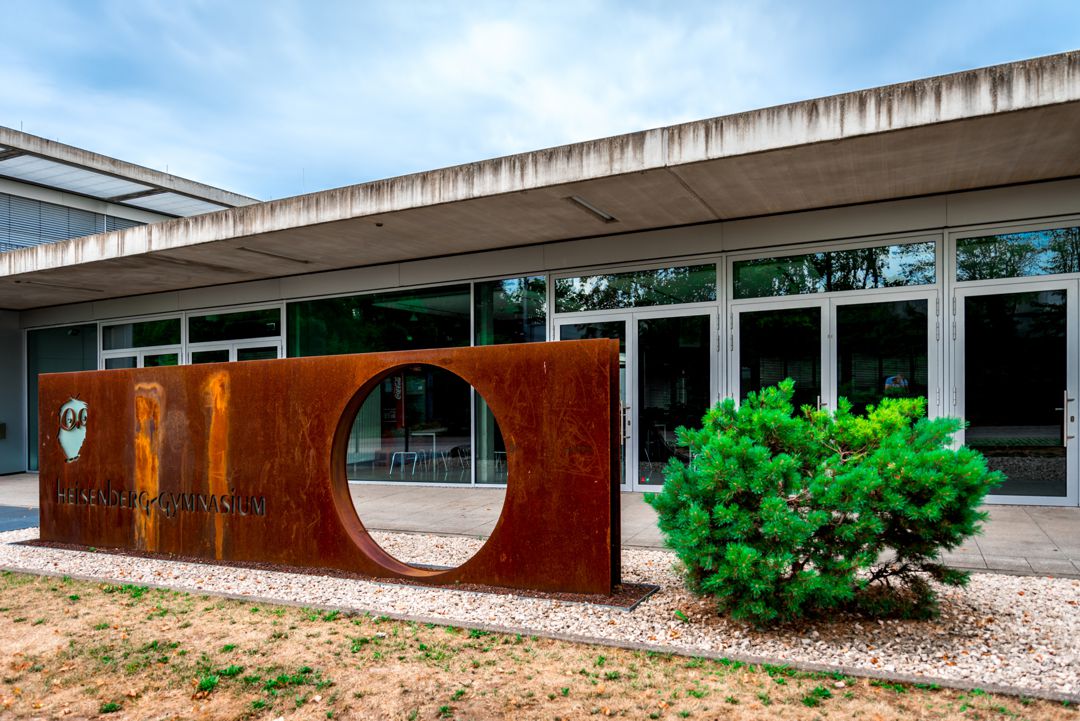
x=54 y=350
x=636 y=289
x=886 y=266
x=422 y=424
x=1017 y=255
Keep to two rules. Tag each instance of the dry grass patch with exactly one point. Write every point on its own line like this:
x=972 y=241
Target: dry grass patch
x=72 y=649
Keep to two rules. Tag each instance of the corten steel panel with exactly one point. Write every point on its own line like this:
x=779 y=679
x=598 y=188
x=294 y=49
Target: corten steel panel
x=277 y=430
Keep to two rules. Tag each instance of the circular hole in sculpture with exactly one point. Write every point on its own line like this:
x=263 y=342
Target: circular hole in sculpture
x=427 y=466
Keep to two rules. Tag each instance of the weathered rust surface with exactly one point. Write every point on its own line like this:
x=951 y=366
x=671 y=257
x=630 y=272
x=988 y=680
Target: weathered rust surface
x=246 y=462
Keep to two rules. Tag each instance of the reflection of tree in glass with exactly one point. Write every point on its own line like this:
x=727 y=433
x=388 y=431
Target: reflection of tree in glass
x=152 y=333
x=1015 y=255
x=664 y=286
x=512 y=310
x=838 y=270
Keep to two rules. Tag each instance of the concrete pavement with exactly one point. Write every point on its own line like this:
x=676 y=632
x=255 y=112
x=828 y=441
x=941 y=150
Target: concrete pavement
x=1022 y=539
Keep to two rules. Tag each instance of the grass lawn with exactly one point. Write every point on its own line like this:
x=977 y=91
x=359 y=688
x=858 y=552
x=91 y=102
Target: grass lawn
x=72 y=649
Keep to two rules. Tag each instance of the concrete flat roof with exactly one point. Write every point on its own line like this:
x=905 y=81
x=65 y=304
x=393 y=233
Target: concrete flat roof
x=990 y=127
x=33 y=159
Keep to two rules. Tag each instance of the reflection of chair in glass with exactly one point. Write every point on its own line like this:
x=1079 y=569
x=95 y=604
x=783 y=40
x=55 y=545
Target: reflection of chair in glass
x=459 y=457
x=403 y=456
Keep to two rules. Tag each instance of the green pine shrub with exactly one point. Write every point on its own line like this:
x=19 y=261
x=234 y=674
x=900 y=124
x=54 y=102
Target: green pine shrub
x=781 y=514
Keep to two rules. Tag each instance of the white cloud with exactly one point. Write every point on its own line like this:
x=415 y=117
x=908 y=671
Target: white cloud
x=254 y=95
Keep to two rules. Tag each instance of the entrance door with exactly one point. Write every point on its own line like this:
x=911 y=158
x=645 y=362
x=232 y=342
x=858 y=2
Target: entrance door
x=862 y=347
x=234 y=351
x=1015 y=384
x=667 y=379
x=675 y=364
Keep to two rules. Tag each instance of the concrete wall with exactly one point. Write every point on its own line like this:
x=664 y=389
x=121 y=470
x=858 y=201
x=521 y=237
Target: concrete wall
x=13 y=444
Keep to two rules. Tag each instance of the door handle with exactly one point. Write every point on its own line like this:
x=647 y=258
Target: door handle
x=1065 y=437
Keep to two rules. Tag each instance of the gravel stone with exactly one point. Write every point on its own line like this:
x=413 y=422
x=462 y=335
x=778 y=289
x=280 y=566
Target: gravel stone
x=1017 y=631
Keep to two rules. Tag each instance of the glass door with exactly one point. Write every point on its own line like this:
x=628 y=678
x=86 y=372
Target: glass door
x=862 y=347
x=1015 y=385
x=769 y=342
x=667 y=379
x=675 y=363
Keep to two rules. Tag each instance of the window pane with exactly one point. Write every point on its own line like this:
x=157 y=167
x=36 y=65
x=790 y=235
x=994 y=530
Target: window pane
x=143 y=334
x=779 y=344
x=220 y=355
x=886 y=266
x=1015 y=255
x=664 y=286
x=673 y=357
x=1015 y=374
x=54 y=350
x=128 y=361
x=248 y=354
x=428 y=318
x=513 y=310
x=882 y=351
x=161 y=359
x=264 y=323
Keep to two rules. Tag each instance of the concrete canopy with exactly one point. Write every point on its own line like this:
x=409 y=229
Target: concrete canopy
x=1002 y=125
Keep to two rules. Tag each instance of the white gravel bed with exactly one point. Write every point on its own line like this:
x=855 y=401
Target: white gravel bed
x=1016 y=631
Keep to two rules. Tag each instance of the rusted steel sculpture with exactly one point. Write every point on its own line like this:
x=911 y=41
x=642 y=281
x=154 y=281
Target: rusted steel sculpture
x=246 y=462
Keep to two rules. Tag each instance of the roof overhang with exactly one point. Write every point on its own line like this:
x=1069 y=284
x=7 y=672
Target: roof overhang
x=39 y=161
x=991 y=127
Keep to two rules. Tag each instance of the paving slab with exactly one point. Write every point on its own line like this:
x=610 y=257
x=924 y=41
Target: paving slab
x=1053 y=567
x=1008 y=563
x=965 y=560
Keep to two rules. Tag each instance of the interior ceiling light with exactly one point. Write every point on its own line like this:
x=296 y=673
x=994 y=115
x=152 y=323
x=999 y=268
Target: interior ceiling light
x=279 y=256
x=589 y=207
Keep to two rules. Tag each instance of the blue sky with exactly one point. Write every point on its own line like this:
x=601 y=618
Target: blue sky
x=276 y=98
